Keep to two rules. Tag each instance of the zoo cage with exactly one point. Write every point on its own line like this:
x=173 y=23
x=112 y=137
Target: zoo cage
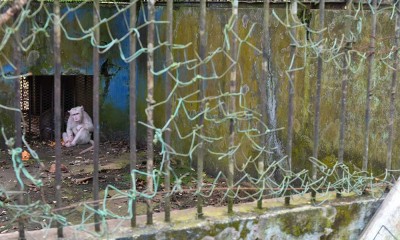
x=37 y=97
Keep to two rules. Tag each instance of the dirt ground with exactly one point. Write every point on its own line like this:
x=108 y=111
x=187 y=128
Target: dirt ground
x=77 y=182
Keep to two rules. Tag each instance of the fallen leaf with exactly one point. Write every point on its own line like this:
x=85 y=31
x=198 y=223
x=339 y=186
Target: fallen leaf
x=52 y=169
x=25 y=155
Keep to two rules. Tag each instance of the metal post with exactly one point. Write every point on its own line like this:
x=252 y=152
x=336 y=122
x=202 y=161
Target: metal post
x=263 y=92
x=202 y=86
x=371 y=58
x=318 y=93
x=57 y=106
x=96 y=133
x=150 y=102
x=18 y=118
x=343 y=101
x=293 y=11
x=393 y=86
x=232 y=106
x=168 y=110
x=132 y=106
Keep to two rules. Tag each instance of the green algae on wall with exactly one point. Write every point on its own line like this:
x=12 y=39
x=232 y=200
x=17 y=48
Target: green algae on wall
x=76 y=59
x=340 y=220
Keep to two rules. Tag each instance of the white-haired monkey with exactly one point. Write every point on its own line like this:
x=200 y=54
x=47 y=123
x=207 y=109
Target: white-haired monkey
x=79 y=128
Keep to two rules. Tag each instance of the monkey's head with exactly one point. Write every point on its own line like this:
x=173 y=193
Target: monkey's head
x=76 y=113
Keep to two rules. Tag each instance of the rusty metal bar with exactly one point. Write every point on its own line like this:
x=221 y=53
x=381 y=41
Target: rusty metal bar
x=232 y=105
x=318 y=93
x=18 y=118
x=168 y=110
x=202 y=88
x=96 y=133
x=343 y=100
x=263 y=89
x=371 y=59
x=150 y=102
x=393 y=87
x=293 y=49
x=132 y=106
x=57 y=106
x=343 y=104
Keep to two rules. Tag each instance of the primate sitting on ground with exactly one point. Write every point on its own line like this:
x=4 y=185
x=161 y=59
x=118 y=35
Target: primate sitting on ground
x=79 y=128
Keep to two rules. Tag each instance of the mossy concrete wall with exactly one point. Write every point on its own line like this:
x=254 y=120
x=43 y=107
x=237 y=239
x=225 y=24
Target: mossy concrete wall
x=343 y=218
x=339 y=220
x=114 y=92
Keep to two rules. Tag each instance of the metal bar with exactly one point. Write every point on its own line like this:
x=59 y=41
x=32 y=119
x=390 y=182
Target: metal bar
x=202 y=86
x=168 y=111
x=393 y=86
x=232 y=105
x=371 y=59
x=18 y=119
x=57 y=106
x=96 y=133
x=343 y=100
x=293 y=11
x=132 y=106
x=263 y=91
x=318 y=93
x=150 y=102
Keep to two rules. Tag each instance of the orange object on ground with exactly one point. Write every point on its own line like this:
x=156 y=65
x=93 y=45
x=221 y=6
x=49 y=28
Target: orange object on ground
x=25 y=155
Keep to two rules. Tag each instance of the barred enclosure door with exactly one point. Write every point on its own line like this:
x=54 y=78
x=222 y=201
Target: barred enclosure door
x=37 y=96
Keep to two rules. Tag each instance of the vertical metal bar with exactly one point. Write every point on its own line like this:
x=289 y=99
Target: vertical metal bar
x=293 y=12
x=57 y=105
x=18 y=117
x=168 y=55
x=393 y=86
x=343 y=101
x=232 y=105
x=202 y=86
x=132 y=106
x=343 y=105
x=150 y=102
x=96 y=133
x=318 y=93
x=371 y=58
x=263 y=90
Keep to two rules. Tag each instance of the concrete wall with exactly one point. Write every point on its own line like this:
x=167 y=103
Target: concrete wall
x=339 y=220
x=342 y=218
x=114 y=121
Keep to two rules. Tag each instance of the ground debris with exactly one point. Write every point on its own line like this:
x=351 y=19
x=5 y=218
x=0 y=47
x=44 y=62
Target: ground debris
x=52 y=168
x=84 y=180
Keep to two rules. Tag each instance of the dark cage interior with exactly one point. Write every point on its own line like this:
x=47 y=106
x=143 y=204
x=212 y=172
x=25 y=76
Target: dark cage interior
x=37 y=101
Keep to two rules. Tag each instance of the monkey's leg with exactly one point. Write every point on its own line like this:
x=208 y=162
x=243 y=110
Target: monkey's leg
x=82 y=137
x=67 y=140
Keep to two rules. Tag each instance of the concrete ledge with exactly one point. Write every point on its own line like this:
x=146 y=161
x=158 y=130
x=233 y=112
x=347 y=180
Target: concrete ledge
x=342 y=218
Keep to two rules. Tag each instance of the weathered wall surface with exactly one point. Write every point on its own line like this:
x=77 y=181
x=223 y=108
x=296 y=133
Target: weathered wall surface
x=341 y=220
x=337 y=219
x=77 y=59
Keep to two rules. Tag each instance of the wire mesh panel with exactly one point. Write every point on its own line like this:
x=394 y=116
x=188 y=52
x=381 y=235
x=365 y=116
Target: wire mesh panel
x=84 y=93
x=226 y=106
x=25 y=94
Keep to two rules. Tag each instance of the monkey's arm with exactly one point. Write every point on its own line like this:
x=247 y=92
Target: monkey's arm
x=70 y=126
x=87 y=121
